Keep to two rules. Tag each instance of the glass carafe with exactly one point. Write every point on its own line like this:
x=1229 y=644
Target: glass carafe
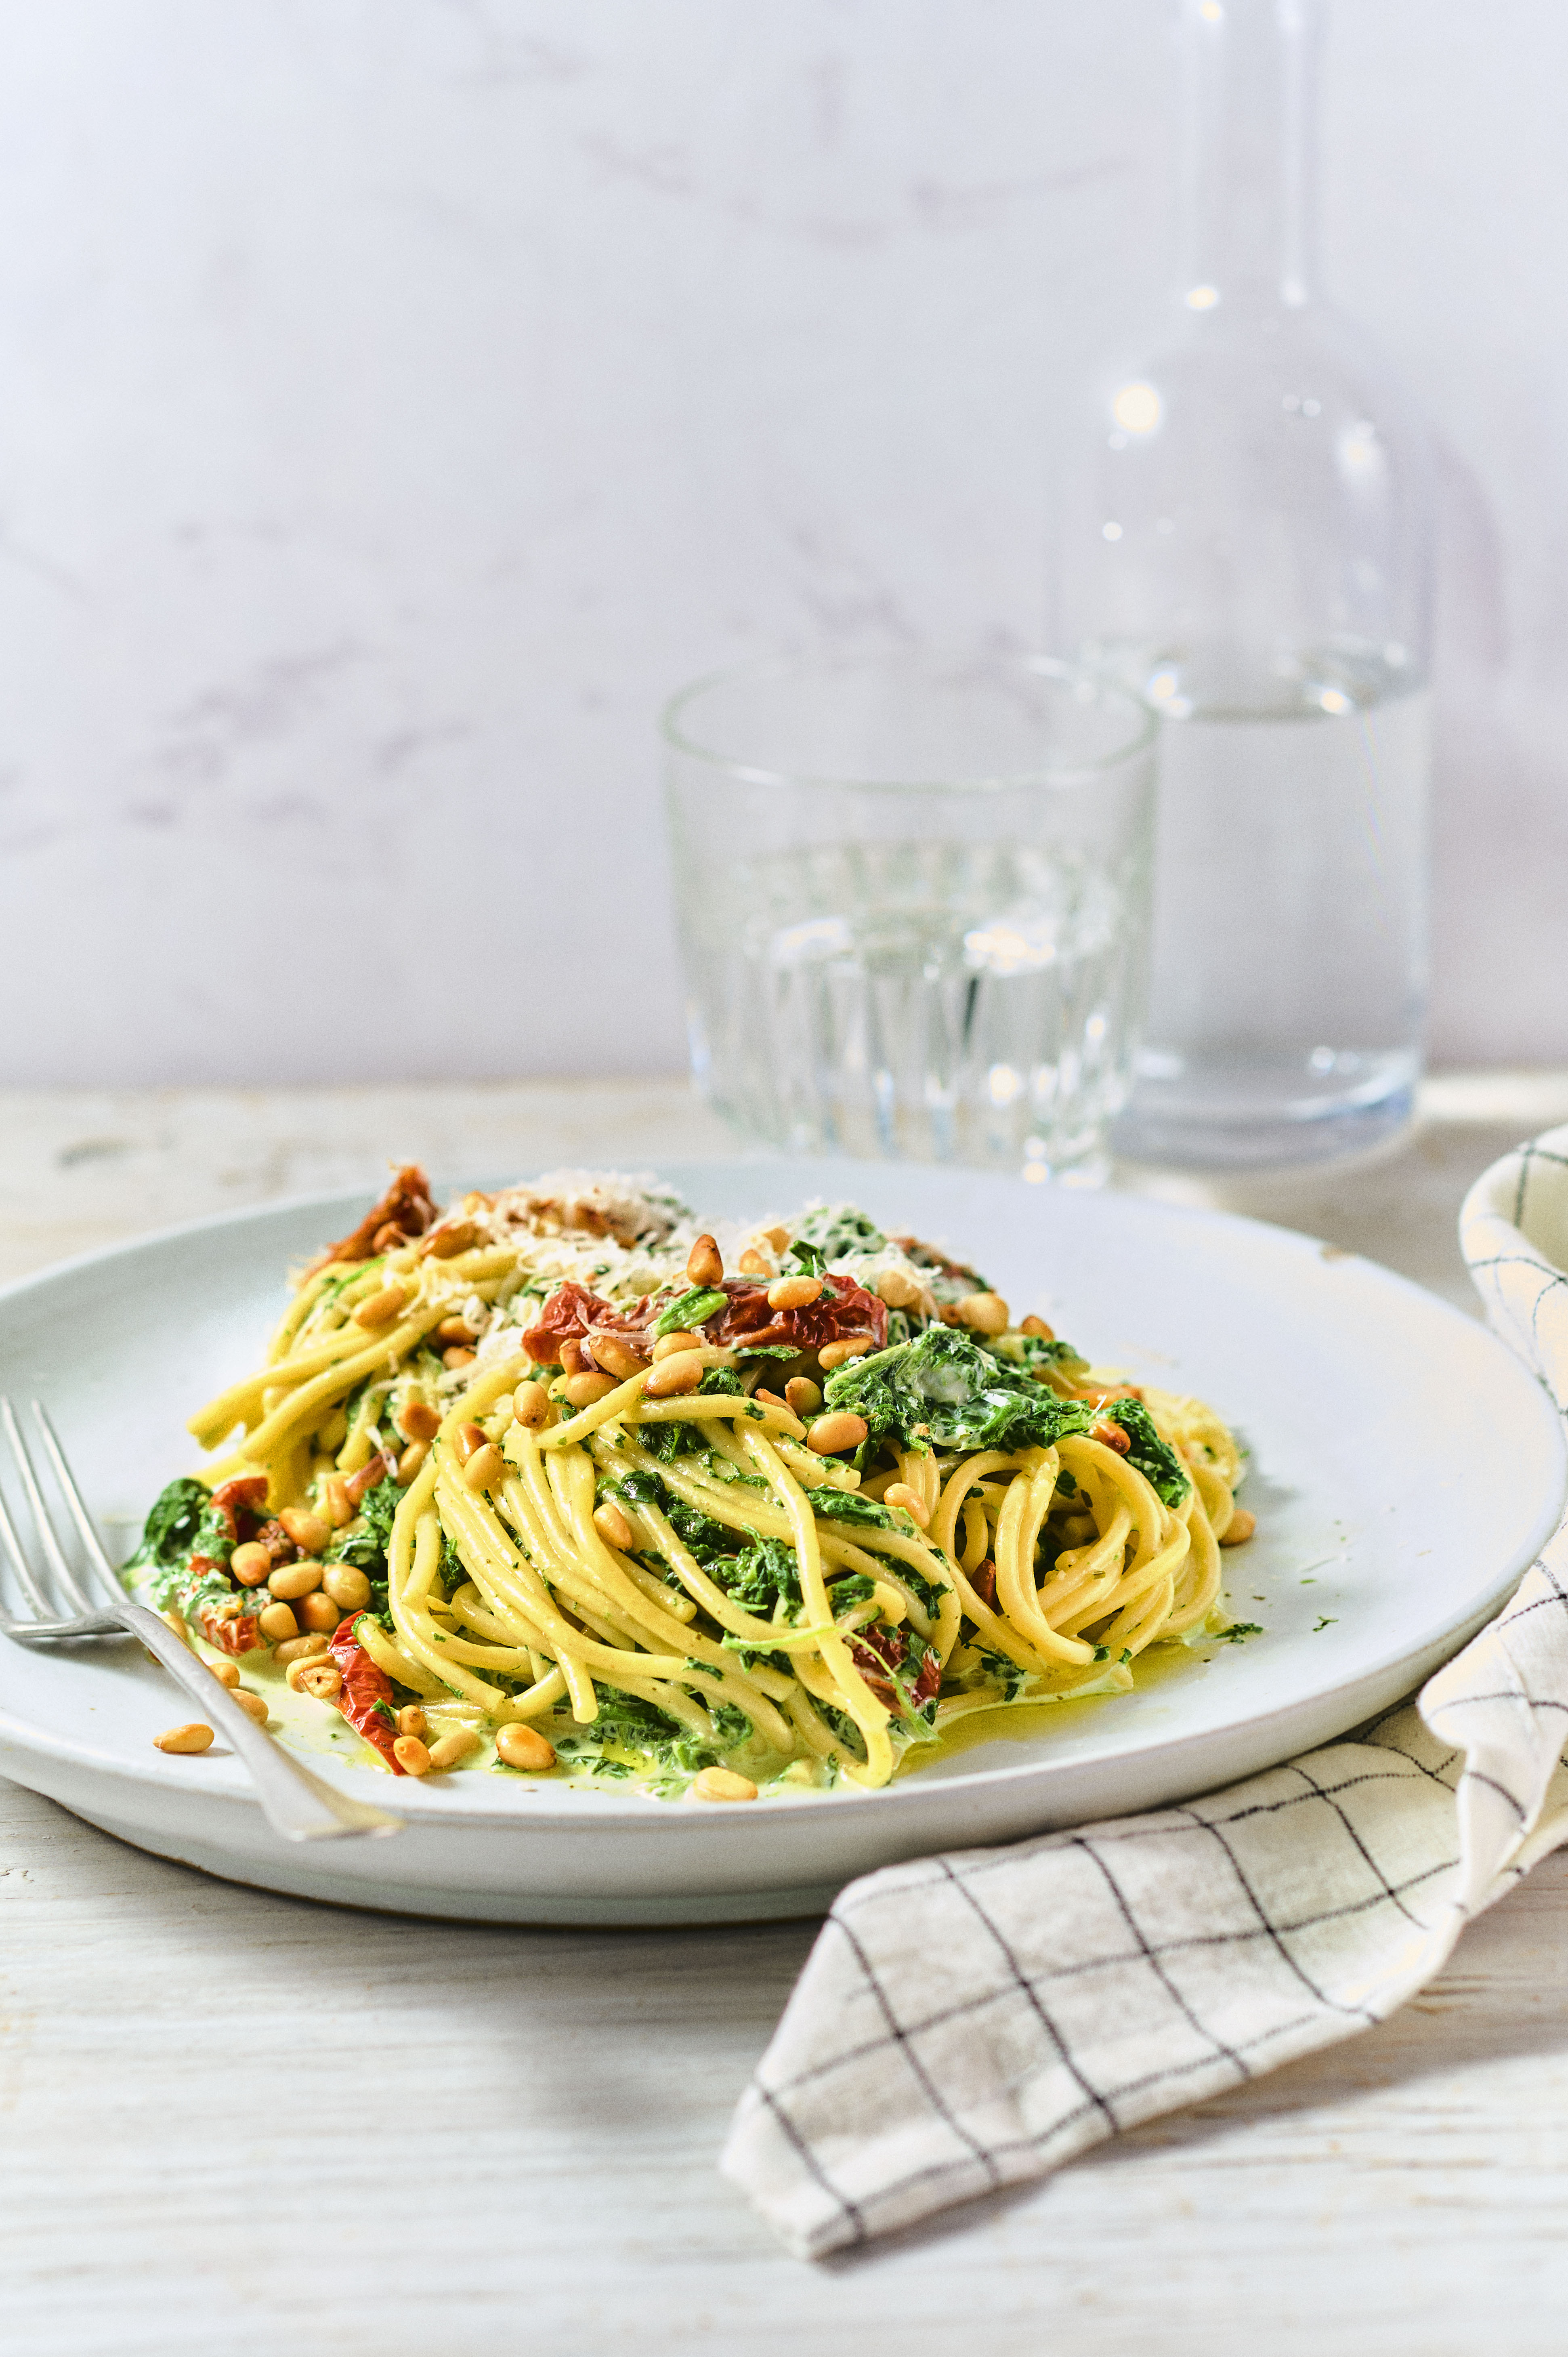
x=1245 y=539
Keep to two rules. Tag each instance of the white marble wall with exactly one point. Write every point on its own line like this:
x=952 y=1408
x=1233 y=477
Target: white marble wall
x=397 y=397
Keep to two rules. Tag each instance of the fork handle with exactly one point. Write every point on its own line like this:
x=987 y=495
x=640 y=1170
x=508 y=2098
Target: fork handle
x=298 y=1804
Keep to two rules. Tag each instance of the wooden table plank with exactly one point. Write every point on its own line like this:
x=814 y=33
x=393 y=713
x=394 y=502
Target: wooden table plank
x=234 y=2121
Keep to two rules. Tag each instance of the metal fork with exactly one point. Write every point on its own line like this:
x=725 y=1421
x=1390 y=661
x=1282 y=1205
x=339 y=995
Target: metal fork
x=298 y=1804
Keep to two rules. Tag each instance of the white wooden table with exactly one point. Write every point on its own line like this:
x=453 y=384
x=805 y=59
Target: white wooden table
x=235 y=2122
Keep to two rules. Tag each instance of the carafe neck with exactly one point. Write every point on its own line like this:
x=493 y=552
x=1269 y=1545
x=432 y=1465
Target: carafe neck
x=1249 y=154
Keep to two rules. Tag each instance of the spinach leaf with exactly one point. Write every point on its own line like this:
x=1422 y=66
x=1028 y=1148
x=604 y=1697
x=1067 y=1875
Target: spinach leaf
x=943 y=1390
x=688 y=1311
x=849 y=1506
x=1153 y=1457
x=837 y=1229
x=365 y=1543
x=169 y=1535
x=760 y=1576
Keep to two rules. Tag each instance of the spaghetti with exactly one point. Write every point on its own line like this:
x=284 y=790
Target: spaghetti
x=543 y=1481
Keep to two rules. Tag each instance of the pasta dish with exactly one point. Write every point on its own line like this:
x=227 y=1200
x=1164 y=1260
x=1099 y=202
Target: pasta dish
x=552 y=1482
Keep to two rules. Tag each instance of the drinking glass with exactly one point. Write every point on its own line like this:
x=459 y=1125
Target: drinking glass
x=913 y=901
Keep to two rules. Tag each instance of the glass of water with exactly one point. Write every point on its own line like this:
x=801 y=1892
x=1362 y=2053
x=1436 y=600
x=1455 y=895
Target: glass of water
x=913 y=896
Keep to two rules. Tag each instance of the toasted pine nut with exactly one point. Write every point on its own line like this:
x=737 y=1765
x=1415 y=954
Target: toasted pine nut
x=448 y=1749
x=1240 y=1528
x=531 y=1405
x=1037 y=1326
x=335 y=1505
x=581 y=1390
x=467 y=1438
x=382 y=1307
x=723 y=1784
x=704 y=1263
x=794 y=1292
x=300 y=1648
x=276 y=1622
x=411 y=1719
x=670 y=1346
x=778 y=1236
x=307 y=1531
x=986 y=1313
x=617 y=1358
x=803 y=1395
x=293 y=1579
x=898 y=1493
x=612 y=1525
x=409 y=1463
x=225 y=1673
x=485 y=1467
x=345 y=1584
x=251 y=1564
x=321 y=1680
x=896 y=1288
x=456 y=1357
x=681 y=1371
x=417 y=1420
x=456 y=1330
x=192 y=1736
x=369 y=1476
x=854 y=1346
x=320 y=1614
x=411 y=1755
x=575 y=1360
x=454 y=1236
x=752 y=1264
x=525 y=1747
x=176 y=1627
x=253 y=1705
x=831 y=1434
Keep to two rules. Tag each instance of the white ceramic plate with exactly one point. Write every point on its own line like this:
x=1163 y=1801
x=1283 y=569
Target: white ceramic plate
x=1376 y=1417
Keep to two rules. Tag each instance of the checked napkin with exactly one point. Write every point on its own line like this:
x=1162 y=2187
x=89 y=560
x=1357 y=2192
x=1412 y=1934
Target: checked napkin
x=969 y=2020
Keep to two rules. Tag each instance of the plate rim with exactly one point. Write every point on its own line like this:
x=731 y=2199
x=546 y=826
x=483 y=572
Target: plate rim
x=620 y=1811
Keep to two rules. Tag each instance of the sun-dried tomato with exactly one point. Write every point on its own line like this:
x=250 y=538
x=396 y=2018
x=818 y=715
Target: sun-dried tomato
x=566 y=1317
x=366 y=1701
x=232 y=1632
x=982 y=1579
x=841 y=1310
x=407 y=1207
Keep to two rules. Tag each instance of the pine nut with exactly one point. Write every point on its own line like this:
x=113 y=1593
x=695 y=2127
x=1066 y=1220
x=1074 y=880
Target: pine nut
x=803 y=1395
x=300 y=1648
x=984 y=1313
x=409 y=1463
x=704 y=1265
x=369 y=1477
x=294 y=1579
x=411 y=1755
x=485 y=1467
x=345 y=1584
x=777 y=1237
x=753 y=1264
x=317 y=1679
x=581 y=1390
x=1037 y=1326
x=225 y=1673
x=307 y=1531
x=1240 y=1528
x=454 y=1236
x=794 y=1292
x=681 y=1371
x=322 y=1679
x=899 y=1494
x=575 y=1360
x=456 y=1330
x=612 y=1525
x=449 y=1749
x=525 y=1747
x=617 y=1358
x=192 y=1736
x=335 y=1505
x=175 y=1627
x=276 y=1622
x=253 y=1705
x=417 y=1420
x=897 y=1289
x=456 y=1357
x=838 y=1354
x=831 y=1434
x=411 y=1719
x=251 y=1564
x=320 y=1614
x=382 y=1307
x=670 y=1346
x=467 y=1439
x=531 y=1405
x=723 y=1784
